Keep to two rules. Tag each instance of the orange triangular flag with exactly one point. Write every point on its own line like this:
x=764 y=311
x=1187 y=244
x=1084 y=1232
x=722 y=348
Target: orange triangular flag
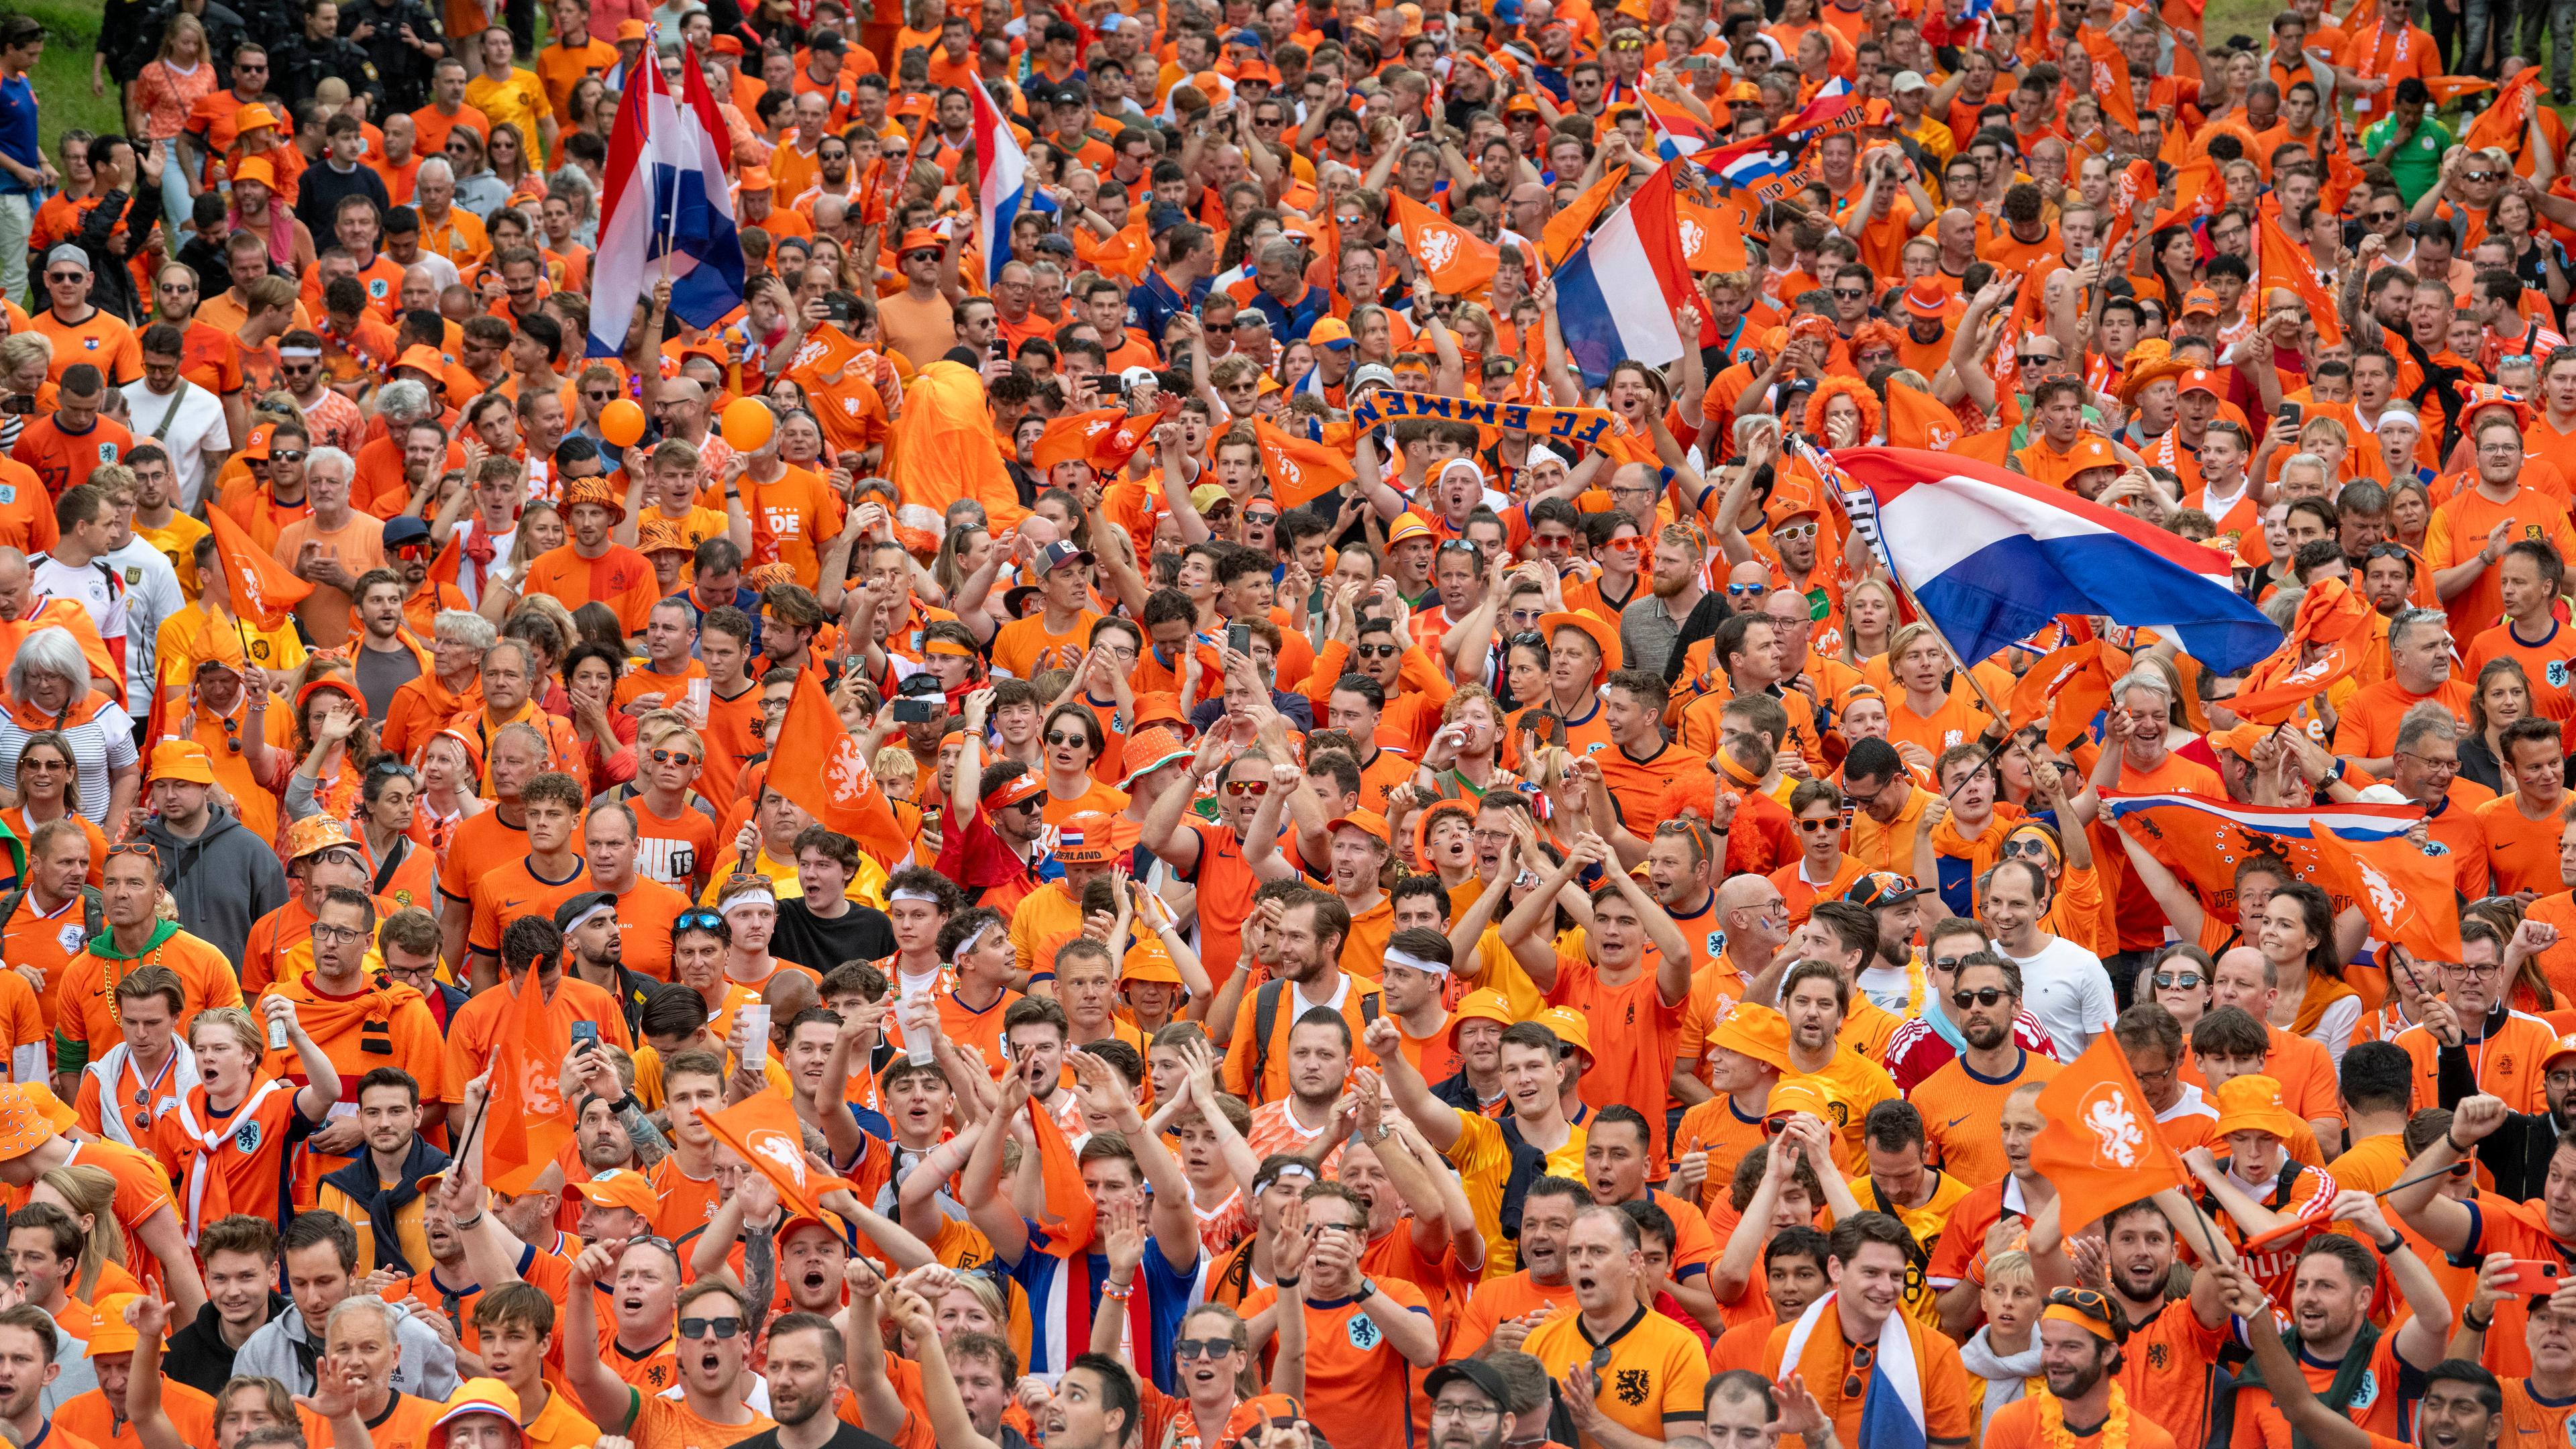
x=819 y=766
x=2412 y=899
x=1565 y=230
x=524 y=1123
x=763 y=1130
x=1712 y=236
x=2067 y=688
x=2501 y=124
x=263 y=590
x=1065 y=1221
x=2099 y=1143
x=1457 y=260
x=1299 y=471
x=444 y=568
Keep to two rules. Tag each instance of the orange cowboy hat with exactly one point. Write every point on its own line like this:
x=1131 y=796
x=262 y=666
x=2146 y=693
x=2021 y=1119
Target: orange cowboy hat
x=1604 y=637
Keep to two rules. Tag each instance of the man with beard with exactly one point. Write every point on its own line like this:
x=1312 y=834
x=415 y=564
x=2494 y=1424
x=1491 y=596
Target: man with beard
x=1358 y=1375
x=2461 y=1406
x=1964 y=1099
x=2523 y=1143
x=1319 y=1067
x=1614 y=1167
x=1359 y=844
x=1310 y=934
x=989 y=837
x=1622 y=1364
x=1471 y=1407
x=378 y=1191
x=2330 y=1297
x=1656 y=631
x=1815 y=996
x=2080 y=1354
x=620 y=903
x=806 y=1375
x=1494 y=1156
x=2174 y=1343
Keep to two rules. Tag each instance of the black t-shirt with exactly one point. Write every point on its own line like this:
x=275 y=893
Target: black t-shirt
x=861 y=933
x=845 y=1435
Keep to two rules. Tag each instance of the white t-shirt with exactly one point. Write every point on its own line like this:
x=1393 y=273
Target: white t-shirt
x=196 y=430
x=51 y=578
x=2067 y=989
x=152 y=595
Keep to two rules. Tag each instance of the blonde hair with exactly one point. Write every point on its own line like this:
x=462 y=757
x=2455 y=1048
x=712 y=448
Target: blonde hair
x=1247 y=1381
x=243 y=1025
x=91 y=1192
x=1851 y=638
x=2010 y=1268
x=897 y=771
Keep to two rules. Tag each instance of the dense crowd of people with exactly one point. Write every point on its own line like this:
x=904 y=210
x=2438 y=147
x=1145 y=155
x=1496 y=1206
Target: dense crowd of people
x=1113 y=779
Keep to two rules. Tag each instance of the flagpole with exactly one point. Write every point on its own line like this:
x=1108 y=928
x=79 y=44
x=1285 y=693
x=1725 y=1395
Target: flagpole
x=1885 y=561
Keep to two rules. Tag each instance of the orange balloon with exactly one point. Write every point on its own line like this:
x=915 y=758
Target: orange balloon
x=748 y=424
x=622 y=422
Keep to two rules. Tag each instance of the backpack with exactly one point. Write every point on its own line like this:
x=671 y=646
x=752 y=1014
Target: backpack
x=1265 y=1019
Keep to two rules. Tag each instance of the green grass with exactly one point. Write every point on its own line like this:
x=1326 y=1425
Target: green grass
x=62 y=77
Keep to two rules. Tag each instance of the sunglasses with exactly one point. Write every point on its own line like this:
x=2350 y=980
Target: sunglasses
x=2030 y=845
x=1863 y=1357
x=1982 y=996
x=1264 y=517
x=674 y=757
x=287 y=455
x=701 y=1327
x=1746 y=591
x=2381 y=216
x=1377 y=651
x=1851 y=295
x=2185 y=980
x=1794 y=530
x=1945 y=963
x=2043 y=359
x=1186 y=1349
x=137 y=847
x=1068 y=740
x=1813 y=826
x=1633 y=544
x=1247 y=787
x=701 y=919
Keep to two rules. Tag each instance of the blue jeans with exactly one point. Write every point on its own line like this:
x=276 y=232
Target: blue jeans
x=177 y=206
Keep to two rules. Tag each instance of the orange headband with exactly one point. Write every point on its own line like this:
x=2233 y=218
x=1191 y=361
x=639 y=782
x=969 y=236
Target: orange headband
x=2067 y=1313
x=948 y=647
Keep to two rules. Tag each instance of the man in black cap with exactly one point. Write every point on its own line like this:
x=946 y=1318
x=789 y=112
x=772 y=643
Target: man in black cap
x=409 y=553
x=1471 y=1407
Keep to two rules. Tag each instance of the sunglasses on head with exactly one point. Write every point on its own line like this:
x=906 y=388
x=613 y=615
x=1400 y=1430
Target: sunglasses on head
x=137 y=847
x=700 y=919
x=1982 y=996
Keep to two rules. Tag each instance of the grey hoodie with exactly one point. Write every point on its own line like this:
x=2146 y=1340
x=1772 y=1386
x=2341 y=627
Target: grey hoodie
x=223 y=880
x=283 y=1349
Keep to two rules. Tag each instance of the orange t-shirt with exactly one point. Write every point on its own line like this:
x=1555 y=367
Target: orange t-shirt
x=619 y=578
x=1963 y=1116
x=1633 y=1051
x=245 y=1169
x=104 y=341
x=476 y=1027
x=2016 y=1426
x=63 y=460
x=327 y=613
x=1356 y=1384
x=47 y=942
x=1827 y=1364
x=86 y=1418
x=2459 y=530
x=507 y=892
x=2523 y=852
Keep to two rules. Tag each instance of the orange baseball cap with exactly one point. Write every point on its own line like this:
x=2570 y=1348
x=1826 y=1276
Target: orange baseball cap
x=108 y=1330
x=183 y=760
x=619 y=1187
x=2199 y=379
x=1366 y=822
x=256 y=450
x=2200 y=300
x=421 y=357
x=1810 y=1095
x=1330 y=332
x=1570 y=1027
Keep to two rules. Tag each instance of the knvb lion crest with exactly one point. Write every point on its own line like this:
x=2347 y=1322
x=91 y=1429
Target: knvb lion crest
x=786 y=1152
x=848 y=773
x=2385 y=897
x=2119 y=1133
x=1438 y=247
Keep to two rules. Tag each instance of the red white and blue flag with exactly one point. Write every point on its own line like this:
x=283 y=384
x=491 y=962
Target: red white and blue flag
x=1001 y=181
x=1991 y=556
x=668 y=209
x=1616 y=296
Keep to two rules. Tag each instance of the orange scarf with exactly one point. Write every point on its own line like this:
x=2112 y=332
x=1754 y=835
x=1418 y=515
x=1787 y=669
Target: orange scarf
x=2323 y=992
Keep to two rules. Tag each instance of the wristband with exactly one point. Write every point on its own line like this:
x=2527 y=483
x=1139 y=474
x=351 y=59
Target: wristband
x=2454 y=1143
x=469 y=1222
x=2396 y=1244
x=2473 y=1324
x=1286 y=1282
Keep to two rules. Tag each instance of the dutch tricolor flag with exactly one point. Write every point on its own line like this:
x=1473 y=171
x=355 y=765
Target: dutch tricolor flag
x=1609 y=311
x=669 y=208
x=1001 y=181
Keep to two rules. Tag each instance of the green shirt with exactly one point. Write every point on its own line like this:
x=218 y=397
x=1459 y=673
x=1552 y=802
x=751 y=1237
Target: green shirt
x=2417 y=164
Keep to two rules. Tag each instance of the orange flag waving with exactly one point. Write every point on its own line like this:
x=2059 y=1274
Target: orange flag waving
x=2410 y=897
x=2286 y=264
x=1457 y=260
x=1074 y=437
x=817 y=764
x=2067 y=688
x=2329 y=617
x=1299 y=470
x=762 y=1129
x=2501 y=124
x=1566 y=229
x=524 y=1123
x=1916 y=419
x=263 y=590
x=1713 y=235
x=2099 y=1143
x=1068 y=1215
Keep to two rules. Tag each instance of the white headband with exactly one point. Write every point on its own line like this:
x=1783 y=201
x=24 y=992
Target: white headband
x=2396 y=415
x=299 y=352
x=604 y=908
x=969 y=943
x=1411 y=962
x=907 y=893
x=744 y=896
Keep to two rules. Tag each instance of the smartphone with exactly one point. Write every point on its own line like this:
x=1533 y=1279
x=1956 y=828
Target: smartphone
x=2291 y=413
x=2536 y=1276
x=585 y=1036
x=1001 y=350
x=1238 y=637
x=2092 y=255
x=1104 y=382
x=17 y=403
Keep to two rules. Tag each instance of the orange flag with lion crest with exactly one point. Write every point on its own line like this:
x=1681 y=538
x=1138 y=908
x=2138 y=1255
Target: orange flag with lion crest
x=2100 y=1144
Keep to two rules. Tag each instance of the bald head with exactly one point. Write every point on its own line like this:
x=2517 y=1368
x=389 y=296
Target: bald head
x=13 y=584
